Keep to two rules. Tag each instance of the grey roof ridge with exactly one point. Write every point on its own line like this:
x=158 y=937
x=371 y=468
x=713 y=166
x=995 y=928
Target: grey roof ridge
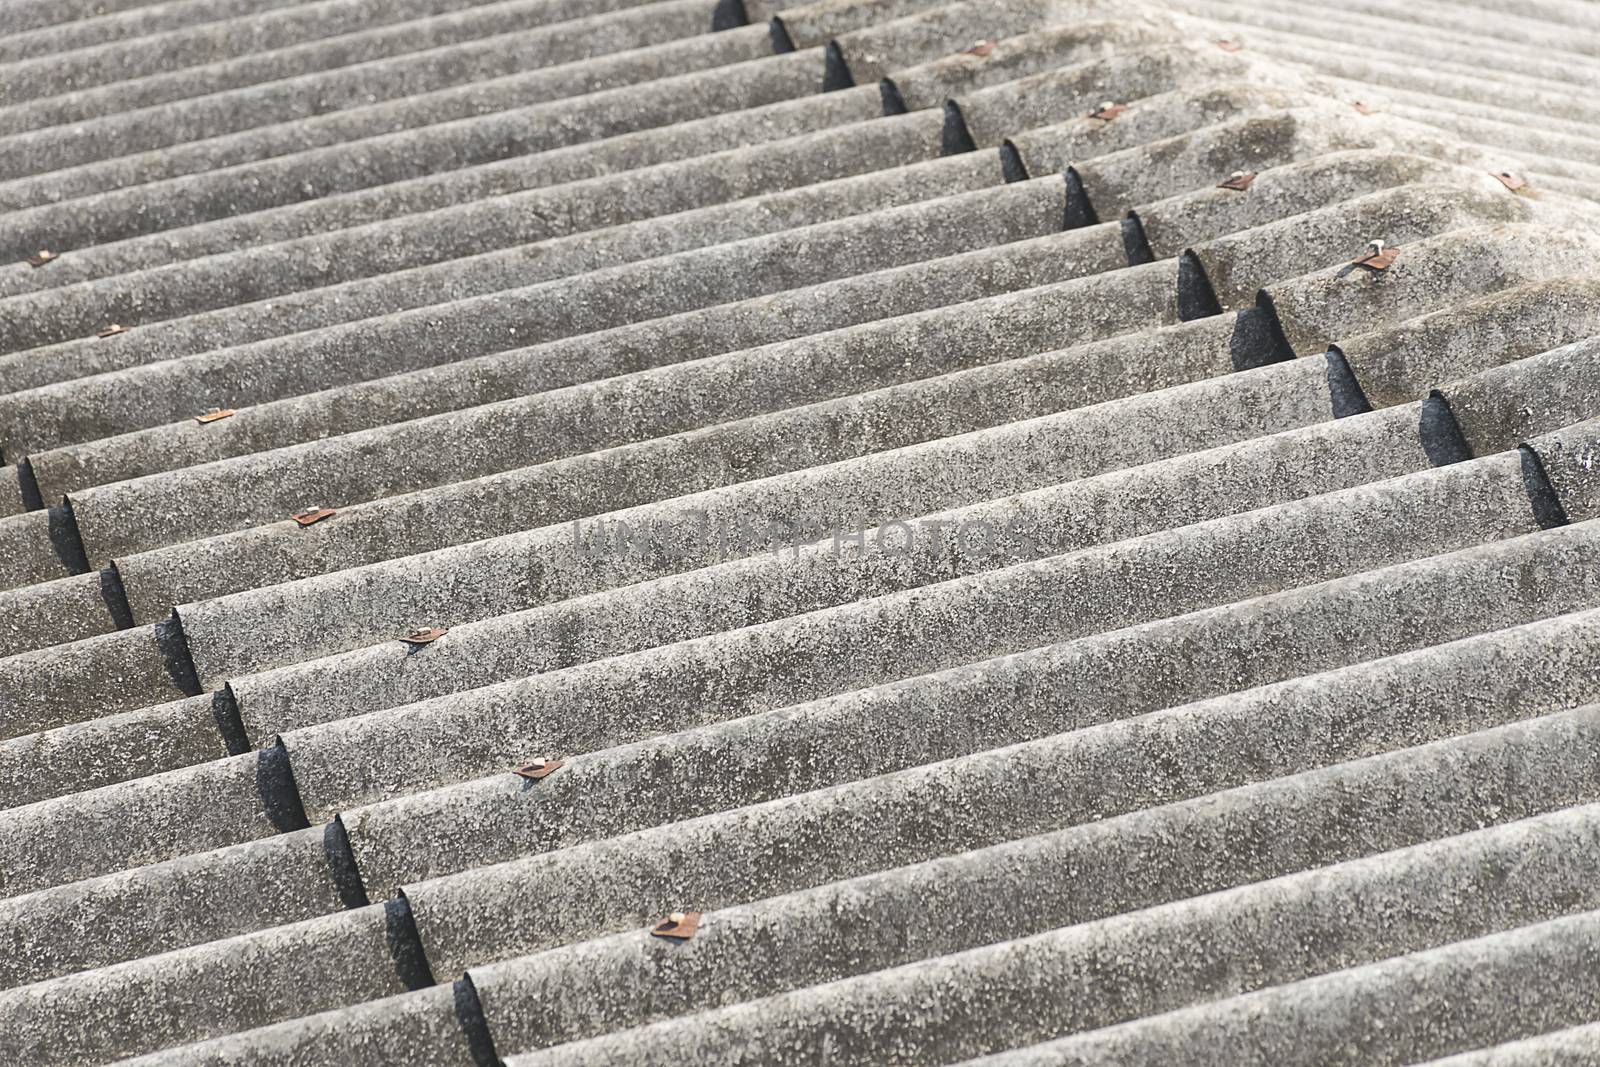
x=1156 y=967
x=152 y=82
x=277 y=698
x=420 y=150
x=1234 y=266
x=272 y=118
x=581 y=963
x=91 y=27
x=1011 y=877
x=1464 y=623
x=524 y=239
x=1536 y=963
x=171 y=446
x=1506 y=658
x=852 y=646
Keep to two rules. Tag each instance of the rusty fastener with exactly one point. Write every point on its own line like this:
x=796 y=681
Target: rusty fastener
x=539 y=768
x=1378 y=256
x=1238 y=181
x=979 y=49
x=112 y=330
x=679 y=926
x=1510 y=181
x=1107 y=111
x=423 y=635
x=314 y=513
x=213 y=415
x=41 y=257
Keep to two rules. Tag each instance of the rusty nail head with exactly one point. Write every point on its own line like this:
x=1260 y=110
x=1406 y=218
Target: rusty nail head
x=979 y=49
x=1229 y=45
x=1378 y=256
x=112 y=330
x=312 y=514
x=422 y=635
x=539 y=768
x=41 y=257
x=1238 y=181
x=1107 y=111
x=1511 y=181
x=680 y=925
x=213 y=415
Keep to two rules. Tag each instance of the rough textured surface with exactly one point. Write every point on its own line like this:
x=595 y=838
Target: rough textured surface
x=954 y=487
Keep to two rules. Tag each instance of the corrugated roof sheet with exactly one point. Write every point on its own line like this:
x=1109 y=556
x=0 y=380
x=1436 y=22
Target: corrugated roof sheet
x=700 y=531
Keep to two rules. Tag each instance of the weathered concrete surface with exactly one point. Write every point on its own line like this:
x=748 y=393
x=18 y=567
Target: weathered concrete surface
x=1472 y=336
x=1347 y=300
x=1165 y=957
x=1020 y=215
x=144 y=911
x=1053 y=148
x=1490 y=414
x=1075 y=684
x=199 y=198
x=1555 y=1046
x=1110 y=507
x=488 y=246
x=572 y=58
x=608 y=182
x=120 y=671
x=1036 y=44
x=832 y=651
x=523 y=570
x=418 y=1028
x=1311 y=641
x=1083 y=874
x=412 y=153
x=218 y=988
x=1570 y=458
x=58 y=612
x=184 y=60
x=108 y=749
x=663 y=285
x=1413 y=1005
x=148 y=820
x=791 y=759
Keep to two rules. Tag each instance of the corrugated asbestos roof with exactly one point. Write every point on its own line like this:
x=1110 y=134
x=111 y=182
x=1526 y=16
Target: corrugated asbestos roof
x=1041 y=531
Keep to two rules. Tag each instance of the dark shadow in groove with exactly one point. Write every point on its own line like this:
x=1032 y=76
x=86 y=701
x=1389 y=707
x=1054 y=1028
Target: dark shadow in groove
x=225 y=710
x=893 y=102
x=28 y=484
x=1135 y=245
x=1080 y=212
x=955 y=138
x=405 y=944
x=835 y=71
x=1344 y=391
x=276 y=787
x=1196 y=298
x=1275 y=323
x=1255 y=340
x=1440 y=433
x=779 y=33
x=175 y=655
x=65 y=541
x=1012 y=168
x=115 y=598
x=474 y=1024
x=342 y=865
x=1548 y=511
x=729 y=15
